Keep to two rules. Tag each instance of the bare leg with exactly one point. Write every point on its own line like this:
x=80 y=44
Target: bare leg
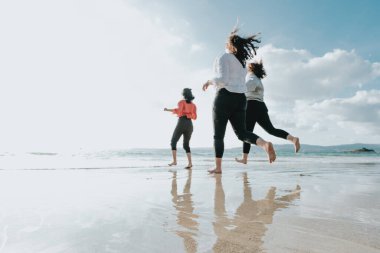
x=190 y=164
x=295 y=141
x=174 y=154
x=218 y=166
x=268 y=147
x=243 y=160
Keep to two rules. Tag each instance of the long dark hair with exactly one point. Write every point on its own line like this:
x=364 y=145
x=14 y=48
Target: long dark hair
x=187 y=95
x=243 y=48
x=257 y=68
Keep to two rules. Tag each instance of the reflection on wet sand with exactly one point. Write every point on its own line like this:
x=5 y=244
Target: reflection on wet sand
x=244 y=232
x=185 y=216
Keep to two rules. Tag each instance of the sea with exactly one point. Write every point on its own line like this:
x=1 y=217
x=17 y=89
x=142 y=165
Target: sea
x=202 y=157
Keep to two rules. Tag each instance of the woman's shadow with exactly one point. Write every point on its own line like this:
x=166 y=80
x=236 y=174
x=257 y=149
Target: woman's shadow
x=186 y=218
x=244 y=232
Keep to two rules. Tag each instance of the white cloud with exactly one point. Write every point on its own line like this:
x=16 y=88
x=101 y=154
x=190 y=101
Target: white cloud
x=196 y=48
x=98 y=74
x=334 y=121
x=87 y=73
x=358 y=112
x=376 y=69
x=311 y=96
x=297 y=74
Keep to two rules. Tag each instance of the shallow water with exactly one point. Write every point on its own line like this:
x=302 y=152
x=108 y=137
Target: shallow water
x=134 y=203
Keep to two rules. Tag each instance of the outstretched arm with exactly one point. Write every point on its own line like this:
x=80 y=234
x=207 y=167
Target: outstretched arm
x=205 y=86
x=176 y=110
x=221 y=73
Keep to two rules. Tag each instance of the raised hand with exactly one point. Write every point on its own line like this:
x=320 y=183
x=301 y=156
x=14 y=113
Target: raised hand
x=205 y=86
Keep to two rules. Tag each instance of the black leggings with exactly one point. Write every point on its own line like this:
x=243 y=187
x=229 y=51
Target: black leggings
x=229 y=106
x=258 y=112
x=184 y=127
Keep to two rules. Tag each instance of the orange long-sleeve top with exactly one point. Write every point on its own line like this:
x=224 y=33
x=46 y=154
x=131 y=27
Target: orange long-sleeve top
x=186 y=109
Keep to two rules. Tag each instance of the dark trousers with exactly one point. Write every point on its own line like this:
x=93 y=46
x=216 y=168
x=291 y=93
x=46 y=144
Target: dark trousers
x=258 y=112
x=229 y=106
x=184 y=127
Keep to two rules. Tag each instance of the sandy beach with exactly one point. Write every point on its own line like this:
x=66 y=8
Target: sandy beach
x=295 y=205
x=99 y=98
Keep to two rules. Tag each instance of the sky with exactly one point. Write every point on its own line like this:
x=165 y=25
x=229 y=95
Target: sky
x=97 y=74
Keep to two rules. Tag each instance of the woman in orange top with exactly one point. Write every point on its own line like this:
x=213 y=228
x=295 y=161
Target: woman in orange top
x=186 y=112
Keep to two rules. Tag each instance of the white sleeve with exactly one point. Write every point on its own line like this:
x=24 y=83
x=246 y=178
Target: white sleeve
x=221 y=71
x=252 y=82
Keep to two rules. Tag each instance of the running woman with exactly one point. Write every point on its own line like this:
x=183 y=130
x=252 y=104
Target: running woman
x=257 y=111
x=230 y=101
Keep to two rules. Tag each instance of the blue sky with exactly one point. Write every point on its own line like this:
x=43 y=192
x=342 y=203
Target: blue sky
x=97 y=74
x=318 y=26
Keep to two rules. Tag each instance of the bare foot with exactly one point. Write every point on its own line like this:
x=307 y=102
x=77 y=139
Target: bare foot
x=188 y=167
x=215 y=171
x=172 y=164
x=270 y=151
x=297 y=144
x=243 y=161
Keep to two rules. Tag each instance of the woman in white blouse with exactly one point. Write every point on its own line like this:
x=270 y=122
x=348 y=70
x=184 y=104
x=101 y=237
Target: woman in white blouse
x=230 y=101
x=257 y=110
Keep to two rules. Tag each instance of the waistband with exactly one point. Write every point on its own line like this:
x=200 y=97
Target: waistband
x=225 y=91
x=184 y=117
x=254 y=101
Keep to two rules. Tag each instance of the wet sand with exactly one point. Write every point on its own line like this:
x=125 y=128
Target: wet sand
x=282 y=208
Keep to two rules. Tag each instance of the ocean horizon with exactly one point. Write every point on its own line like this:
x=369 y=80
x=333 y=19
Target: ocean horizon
x=159 y=157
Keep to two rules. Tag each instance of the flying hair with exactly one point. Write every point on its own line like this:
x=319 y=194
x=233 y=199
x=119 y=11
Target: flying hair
x=257 y=68
x=243 y=48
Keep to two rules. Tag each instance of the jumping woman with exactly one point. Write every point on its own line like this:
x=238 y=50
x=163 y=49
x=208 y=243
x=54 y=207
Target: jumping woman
x=186 y=112
x=257 y=110
x=230 y=101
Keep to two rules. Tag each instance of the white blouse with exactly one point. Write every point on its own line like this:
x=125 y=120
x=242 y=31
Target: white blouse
x=255 y=88
x=229 y=74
